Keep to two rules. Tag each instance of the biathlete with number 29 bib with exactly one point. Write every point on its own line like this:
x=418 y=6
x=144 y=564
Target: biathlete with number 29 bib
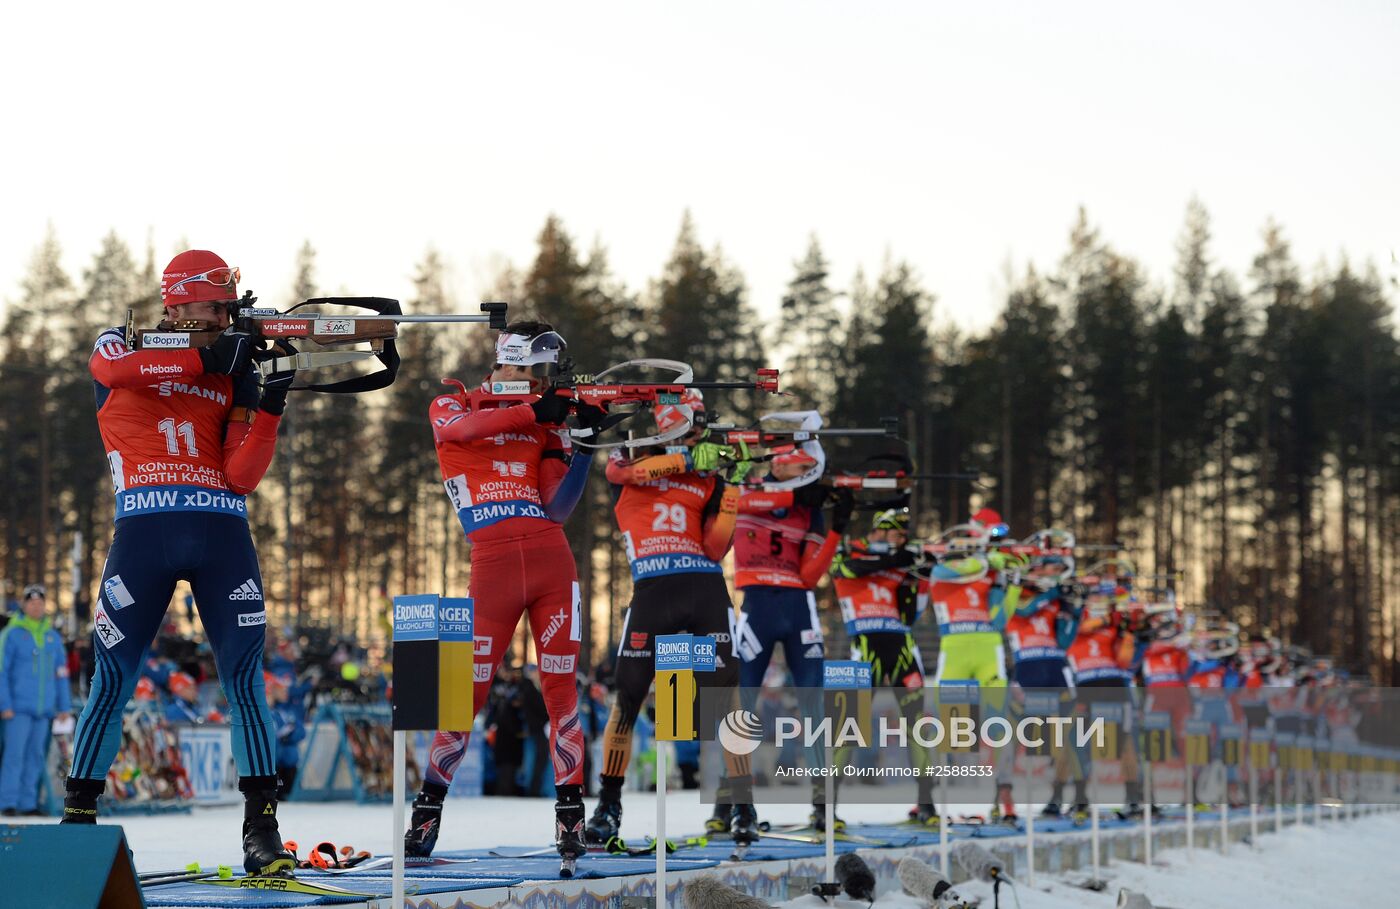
x=514 y=478
x=676 y=515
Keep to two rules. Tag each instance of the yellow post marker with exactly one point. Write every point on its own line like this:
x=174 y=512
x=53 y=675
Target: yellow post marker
x=846 y=689
x=675 y=689
x=1157 y=737
x=1260 y=748
x=1106 y=747
x=957 y=709
x=1197 y=742
x=1232 y=745
x=433 y=682
x=677 y=658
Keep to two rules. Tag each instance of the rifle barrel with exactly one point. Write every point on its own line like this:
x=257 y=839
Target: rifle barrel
x=375 y=318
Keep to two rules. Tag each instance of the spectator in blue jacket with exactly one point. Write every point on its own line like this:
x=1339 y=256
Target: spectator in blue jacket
x=33 y=690
x=290 y=716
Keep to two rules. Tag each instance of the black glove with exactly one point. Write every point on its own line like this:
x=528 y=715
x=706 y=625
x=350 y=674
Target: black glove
x=276 y=385
x=229 y=354
x=902 y=558
x=551 y=408
x=590 y=416
x=843 y=509
x=813 y=495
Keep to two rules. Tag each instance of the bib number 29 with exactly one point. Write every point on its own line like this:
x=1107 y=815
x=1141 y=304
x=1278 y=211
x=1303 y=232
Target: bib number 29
x=668 y=518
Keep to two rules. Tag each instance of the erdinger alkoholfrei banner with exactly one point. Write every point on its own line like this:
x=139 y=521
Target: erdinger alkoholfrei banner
x=1081 y=746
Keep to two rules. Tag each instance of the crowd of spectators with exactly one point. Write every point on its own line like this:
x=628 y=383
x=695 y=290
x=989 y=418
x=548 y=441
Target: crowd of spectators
x=303 y=668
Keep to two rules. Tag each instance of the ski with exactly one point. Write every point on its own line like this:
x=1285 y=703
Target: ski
x=816 y=837
x=175 y=877
x=285 y=885
x=387 y=861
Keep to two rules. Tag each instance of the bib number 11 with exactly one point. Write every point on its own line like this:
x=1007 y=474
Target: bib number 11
x=177 y=432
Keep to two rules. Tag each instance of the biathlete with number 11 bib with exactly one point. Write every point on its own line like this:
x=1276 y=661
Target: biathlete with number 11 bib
x=188 y=435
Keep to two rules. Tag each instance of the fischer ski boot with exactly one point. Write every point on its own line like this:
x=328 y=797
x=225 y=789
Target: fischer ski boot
x=818 y=820
x=568 y=828
x=426 y=821
x=80 y=804
x=719 y=821
x=743 y=825
x=1080 y=814
x=1003 y=808
x=263 y=852
x=606 y=821
x=926 y=814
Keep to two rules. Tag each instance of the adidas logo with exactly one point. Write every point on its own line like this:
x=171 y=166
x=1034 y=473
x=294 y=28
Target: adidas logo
x=246 y=591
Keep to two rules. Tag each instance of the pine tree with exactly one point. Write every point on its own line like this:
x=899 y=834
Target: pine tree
x=698 y=314
x=811 y=333
x=1103 y=291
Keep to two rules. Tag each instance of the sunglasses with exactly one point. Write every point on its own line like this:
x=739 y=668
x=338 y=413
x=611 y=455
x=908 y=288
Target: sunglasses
x=223 y=276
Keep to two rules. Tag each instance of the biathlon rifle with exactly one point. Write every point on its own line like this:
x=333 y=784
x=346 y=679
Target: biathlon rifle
x=329 y=330
x=622 y=400
x=896 y=479
x=785 y=439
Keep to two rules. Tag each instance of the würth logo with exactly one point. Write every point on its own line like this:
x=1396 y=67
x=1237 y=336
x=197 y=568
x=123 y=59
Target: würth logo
x=246 y=591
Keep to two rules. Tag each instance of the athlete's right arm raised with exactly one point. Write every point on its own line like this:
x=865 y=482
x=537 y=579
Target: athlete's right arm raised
x=114 y=366
x=454 y=422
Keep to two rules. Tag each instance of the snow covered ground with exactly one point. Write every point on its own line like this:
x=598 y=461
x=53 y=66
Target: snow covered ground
x=1343 y=864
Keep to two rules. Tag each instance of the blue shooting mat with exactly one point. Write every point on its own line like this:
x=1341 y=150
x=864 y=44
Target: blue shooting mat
x=546 y=867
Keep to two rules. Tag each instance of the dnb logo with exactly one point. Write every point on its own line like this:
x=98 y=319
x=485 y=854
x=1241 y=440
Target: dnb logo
x=740 y=732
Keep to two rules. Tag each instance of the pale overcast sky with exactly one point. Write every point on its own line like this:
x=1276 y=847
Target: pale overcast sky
x=958 y=136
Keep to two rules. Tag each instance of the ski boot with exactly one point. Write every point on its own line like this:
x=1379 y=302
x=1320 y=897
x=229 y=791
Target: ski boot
x=263 y=852
x=743 y=825
x=926 y=814
x=606 y=821
x=1051 y=811
x=1003 y=808
x=426 y=821
x=1080 y=814
x=80 y=804
x=719 y=821
x=568 y=828
x=818 y=820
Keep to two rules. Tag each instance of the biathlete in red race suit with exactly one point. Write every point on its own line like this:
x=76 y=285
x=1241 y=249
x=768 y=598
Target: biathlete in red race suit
x=676 y=516
x=1103 y=656
x=514 y=478
x=782 y=549
x=188 y=435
